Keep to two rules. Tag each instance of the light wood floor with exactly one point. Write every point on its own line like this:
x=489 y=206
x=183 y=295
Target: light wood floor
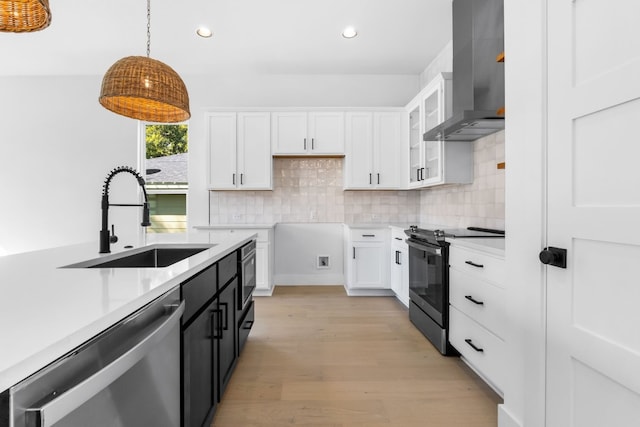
x=320 y=358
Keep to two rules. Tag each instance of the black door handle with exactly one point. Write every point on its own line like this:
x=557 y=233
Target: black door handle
x=554 y=256
x=378 y=178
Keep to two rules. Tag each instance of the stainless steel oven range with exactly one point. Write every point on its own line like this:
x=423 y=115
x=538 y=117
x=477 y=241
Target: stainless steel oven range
x=429 y=280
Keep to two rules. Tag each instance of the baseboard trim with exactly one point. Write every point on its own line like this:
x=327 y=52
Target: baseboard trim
x=308 y=279
x=505 y=419
x=370 y=292
x=263 y=292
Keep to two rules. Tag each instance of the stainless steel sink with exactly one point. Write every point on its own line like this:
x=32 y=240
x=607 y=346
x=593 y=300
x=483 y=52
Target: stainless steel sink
x=146 y=257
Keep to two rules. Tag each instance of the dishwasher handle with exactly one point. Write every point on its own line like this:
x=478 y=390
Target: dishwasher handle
x=53 y=411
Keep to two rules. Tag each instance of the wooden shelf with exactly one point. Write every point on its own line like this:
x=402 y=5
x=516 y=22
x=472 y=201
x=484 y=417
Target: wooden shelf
x=500 y=57
x=501 y=165
x=500 y=111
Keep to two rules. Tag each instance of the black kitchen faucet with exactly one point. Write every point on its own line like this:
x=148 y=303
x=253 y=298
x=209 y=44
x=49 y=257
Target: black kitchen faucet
x=107 y=237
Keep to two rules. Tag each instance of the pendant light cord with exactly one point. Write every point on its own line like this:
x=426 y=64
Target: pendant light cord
x=148 y=28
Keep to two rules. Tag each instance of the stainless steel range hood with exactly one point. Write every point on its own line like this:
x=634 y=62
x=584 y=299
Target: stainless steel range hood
x=478 y=80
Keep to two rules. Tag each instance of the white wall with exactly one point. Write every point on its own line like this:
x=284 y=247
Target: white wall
x=440 y=64
x=525 y=135
x=57 y=144
x=297 y=247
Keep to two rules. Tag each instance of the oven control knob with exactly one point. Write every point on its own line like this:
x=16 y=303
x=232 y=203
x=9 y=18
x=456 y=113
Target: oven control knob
x=554 y=256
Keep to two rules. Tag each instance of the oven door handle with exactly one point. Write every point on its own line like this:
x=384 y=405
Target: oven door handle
x=54 y=410
x=430 y=249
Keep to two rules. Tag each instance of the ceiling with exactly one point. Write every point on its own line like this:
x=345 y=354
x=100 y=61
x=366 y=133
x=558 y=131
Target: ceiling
x=250 y=36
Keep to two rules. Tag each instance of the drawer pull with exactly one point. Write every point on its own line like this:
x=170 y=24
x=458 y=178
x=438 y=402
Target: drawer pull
x=398 y=238
x=368 y=235
x=473 y=264
x=478 y=349
x=470 y=298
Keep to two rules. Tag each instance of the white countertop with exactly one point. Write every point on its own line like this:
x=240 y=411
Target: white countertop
x=234 y=226
x=48 y=311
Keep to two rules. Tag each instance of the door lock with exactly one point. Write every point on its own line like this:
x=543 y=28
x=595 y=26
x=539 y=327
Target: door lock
x=554 y=256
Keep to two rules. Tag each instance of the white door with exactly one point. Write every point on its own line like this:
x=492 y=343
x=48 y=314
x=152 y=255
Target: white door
x=358 y=159
x=254 y=151
x=221 y=134
x=289 y=133
x=593 y=316
x=387 y=135
x=326 y=131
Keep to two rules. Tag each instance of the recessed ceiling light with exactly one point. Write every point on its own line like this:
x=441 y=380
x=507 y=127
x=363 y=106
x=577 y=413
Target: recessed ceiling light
x=204 y=32
x=349 y=33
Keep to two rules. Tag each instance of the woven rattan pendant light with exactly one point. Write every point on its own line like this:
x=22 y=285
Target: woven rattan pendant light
x=144 y=88
x=22 y=16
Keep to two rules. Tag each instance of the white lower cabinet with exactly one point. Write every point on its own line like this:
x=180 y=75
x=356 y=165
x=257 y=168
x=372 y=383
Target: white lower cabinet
x=477 y=311
x=367 y=254
x=399 y=271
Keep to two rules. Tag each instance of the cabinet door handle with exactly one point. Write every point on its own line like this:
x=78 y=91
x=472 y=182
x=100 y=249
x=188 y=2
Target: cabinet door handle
x=354 y=252
x=370 y=182
x=417 y=175
x=215 y=321
x=378 y=178
x=368 y=235
x=313 y=144
x=421 y=174
x=398 y=238
x=225 y=323
x=473 y=264
x=305 y=144
x=398 y=257
x=478 y=349
x=470 y=298
x=241 y=179
x=233 y=179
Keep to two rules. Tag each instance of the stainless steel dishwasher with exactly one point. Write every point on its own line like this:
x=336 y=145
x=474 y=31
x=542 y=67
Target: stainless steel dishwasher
x=129 y=375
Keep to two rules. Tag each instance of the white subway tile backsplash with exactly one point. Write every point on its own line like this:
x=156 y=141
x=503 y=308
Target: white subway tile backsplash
x=480 y=204
x=310 y=190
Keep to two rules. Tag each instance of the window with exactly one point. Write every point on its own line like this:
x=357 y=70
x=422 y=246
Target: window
x=166 y=165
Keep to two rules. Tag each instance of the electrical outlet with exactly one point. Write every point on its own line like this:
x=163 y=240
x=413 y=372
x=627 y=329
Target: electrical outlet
x=323 y=261
x=236 y=216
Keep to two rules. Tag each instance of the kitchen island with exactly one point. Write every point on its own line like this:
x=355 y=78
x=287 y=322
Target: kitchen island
x=48 y=310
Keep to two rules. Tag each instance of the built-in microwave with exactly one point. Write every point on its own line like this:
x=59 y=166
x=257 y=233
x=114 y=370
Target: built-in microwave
x=247 y=283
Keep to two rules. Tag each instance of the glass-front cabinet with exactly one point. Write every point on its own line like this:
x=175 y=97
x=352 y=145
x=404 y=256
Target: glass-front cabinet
x=416 y=146
x=436 y=162
x=431 y=107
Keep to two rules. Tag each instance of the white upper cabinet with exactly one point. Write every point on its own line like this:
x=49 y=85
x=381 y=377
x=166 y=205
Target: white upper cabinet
x=436 y=162
x=373 y=150
x=308 y=133
x=239 y=151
